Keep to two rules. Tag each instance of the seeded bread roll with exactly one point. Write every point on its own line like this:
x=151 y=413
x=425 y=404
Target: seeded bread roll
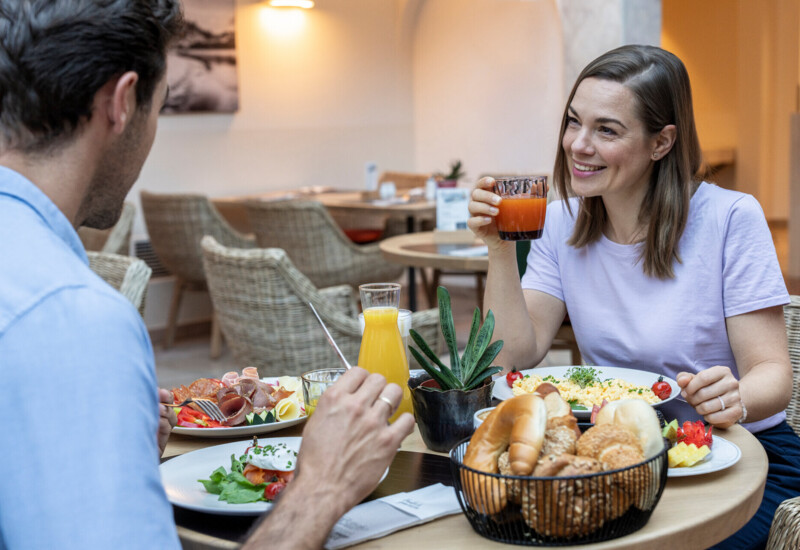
x=640 y=418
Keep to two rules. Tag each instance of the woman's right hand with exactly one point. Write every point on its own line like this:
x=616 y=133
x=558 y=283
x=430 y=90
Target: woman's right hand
x=483 y=209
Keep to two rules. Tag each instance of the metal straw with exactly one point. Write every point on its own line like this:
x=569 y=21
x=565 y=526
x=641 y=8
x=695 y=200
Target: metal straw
x=330 y=338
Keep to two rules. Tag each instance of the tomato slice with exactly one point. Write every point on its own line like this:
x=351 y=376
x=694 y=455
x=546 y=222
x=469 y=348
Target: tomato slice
x=273 y=490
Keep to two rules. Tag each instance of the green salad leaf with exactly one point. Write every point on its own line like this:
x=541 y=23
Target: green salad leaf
x=233 y=487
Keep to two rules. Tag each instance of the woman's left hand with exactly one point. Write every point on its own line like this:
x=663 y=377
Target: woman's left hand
x=714 y=394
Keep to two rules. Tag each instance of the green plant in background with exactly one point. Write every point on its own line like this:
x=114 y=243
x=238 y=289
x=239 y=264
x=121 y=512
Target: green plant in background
x=456 y=172
x=471 y=369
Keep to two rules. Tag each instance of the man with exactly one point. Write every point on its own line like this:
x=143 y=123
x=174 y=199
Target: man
x=81 y=85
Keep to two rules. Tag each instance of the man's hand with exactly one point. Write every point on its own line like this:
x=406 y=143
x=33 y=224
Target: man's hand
x=347 y=445
x=167 y=418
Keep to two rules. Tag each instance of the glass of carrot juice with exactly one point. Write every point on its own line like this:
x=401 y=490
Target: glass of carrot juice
x=521 y=213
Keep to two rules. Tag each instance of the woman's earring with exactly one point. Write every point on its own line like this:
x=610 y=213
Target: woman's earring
x=655 y=156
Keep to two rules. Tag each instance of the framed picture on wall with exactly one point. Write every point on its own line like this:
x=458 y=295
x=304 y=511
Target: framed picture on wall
x=201 y=69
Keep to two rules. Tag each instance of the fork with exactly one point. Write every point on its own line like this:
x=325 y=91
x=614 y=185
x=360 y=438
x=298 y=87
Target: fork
x=206 y=405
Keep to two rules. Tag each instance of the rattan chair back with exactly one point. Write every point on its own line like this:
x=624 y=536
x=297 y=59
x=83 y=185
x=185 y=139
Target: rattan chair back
x=176 y=224
x=116 y=240
x=261 y=303
x=791 y=313
x=316 y=245
x=126 y=274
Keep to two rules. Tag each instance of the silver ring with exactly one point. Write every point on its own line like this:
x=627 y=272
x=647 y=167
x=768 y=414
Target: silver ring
x=721 y=402
x=387 y=401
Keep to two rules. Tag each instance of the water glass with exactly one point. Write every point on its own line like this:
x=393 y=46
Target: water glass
x=315 y=382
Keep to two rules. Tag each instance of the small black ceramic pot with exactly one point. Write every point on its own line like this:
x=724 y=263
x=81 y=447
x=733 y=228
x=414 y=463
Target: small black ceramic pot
x=445 y=418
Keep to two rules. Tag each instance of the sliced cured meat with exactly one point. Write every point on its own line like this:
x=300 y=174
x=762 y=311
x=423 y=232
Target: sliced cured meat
x=206 y=388
x=226 y=391
x=246 y=387
x=250 y=372
x=181 y=394
x=235 y=409
x=230 y=378
x=227 y=396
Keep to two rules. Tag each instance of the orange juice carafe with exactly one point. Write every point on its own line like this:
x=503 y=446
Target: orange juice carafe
x=382 y=350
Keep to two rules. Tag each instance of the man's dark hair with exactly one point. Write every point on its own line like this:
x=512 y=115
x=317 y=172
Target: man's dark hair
x=56 y=54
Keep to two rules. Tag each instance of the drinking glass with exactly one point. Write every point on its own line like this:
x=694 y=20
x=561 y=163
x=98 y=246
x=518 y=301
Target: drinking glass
x=382 y=349
x=520 y=215
x=315 y=382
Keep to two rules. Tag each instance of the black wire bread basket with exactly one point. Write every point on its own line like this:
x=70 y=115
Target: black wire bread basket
x=558 y=511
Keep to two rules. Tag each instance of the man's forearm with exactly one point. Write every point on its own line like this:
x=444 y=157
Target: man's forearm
x=301 y=519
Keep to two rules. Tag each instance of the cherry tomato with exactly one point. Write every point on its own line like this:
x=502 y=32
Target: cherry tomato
x=662 y=389
x=512 y=376
x=273 y=490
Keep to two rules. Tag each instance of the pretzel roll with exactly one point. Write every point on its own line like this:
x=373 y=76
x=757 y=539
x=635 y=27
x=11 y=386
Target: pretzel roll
x=640 y=418
x=518 y=425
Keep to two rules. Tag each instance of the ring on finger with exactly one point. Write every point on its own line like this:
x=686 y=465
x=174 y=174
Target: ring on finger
x=387 y=401
x=721 y=402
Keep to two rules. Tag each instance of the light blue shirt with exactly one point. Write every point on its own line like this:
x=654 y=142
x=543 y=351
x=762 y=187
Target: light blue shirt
x=78 y=398
x=624 y=318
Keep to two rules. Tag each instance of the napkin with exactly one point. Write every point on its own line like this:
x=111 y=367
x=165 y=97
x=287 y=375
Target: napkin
x=378 y=518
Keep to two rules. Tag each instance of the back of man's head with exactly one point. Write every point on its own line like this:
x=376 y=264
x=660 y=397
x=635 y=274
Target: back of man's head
x=56 y=54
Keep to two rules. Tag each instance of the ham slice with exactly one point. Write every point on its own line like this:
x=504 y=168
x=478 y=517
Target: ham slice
x=230 y=378
x=250 y=372
x=235 y=409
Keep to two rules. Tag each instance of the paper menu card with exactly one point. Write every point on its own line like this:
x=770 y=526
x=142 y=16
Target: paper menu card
x=378 y=518
x=452 y=208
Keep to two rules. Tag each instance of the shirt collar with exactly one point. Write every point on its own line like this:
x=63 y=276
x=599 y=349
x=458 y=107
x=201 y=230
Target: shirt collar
x=16 y=185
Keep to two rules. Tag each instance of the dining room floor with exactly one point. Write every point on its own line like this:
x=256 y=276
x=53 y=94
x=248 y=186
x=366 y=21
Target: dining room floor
x=188 y=359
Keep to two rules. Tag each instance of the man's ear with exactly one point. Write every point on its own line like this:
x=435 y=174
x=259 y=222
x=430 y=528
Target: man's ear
x=665 y=140
x=122 y=104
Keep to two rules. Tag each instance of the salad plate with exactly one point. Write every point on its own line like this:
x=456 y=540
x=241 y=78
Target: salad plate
x=502 y=390
x=180 y=477
x=180 y=474
x=245 y=430
x=724 y=454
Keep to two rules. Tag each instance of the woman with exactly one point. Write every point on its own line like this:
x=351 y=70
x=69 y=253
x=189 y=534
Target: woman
x=658 y=270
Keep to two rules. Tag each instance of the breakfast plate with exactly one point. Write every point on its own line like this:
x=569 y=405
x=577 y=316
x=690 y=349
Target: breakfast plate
x=724 y=454
x=180 y=474
x=502 y=390
x=245 y=430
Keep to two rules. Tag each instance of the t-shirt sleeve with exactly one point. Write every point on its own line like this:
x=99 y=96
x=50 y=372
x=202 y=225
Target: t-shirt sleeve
x=542 y=272
x=80 y=459
x=751 y=274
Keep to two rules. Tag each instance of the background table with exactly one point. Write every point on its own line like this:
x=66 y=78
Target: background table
x=694 y=512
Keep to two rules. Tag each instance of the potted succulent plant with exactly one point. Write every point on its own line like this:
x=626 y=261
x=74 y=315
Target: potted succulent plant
x=445 y=398
x=451 y=179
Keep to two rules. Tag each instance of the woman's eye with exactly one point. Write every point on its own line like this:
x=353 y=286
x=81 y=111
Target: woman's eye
x=572 y=121
x=607 y=131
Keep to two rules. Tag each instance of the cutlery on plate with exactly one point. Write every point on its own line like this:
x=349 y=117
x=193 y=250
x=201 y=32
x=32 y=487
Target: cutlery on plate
x=206 y=405
x=330 y=338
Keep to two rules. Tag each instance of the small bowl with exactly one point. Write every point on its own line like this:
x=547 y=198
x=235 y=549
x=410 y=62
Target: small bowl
x=480 y=416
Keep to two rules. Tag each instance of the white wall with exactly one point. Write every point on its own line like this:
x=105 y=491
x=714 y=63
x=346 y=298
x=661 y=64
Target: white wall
x=487 y=85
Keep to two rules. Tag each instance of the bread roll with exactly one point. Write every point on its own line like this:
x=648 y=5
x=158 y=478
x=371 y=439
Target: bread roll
x=640 y=418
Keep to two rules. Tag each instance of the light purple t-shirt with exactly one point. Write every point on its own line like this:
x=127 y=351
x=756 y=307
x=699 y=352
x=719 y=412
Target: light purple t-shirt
x=623 y=318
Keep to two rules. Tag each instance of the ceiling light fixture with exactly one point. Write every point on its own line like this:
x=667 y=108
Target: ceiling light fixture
x=307 y=4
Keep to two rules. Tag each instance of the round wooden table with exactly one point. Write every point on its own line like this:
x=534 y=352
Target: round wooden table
x=694 y=512
x=422 y=250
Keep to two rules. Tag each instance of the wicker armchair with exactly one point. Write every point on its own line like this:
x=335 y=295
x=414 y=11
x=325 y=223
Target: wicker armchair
x=316 y=245
x=262 y=299
x=176 y=223
x=126 y=274
x=116 y=240
x=785 y=530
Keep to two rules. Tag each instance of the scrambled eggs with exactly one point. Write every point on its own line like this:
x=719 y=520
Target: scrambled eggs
x=612 y=389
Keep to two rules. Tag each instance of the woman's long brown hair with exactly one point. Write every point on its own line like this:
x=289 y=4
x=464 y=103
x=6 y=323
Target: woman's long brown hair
x=660 y=84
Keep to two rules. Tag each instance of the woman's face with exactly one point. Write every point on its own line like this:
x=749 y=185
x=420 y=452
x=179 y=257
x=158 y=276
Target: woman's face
x=608 y=149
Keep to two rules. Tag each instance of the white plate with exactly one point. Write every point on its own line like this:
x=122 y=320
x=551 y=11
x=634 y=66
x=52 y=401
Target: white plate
x=180 y=474
x=241 y=431
x=502 y=391
x=724 y=454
